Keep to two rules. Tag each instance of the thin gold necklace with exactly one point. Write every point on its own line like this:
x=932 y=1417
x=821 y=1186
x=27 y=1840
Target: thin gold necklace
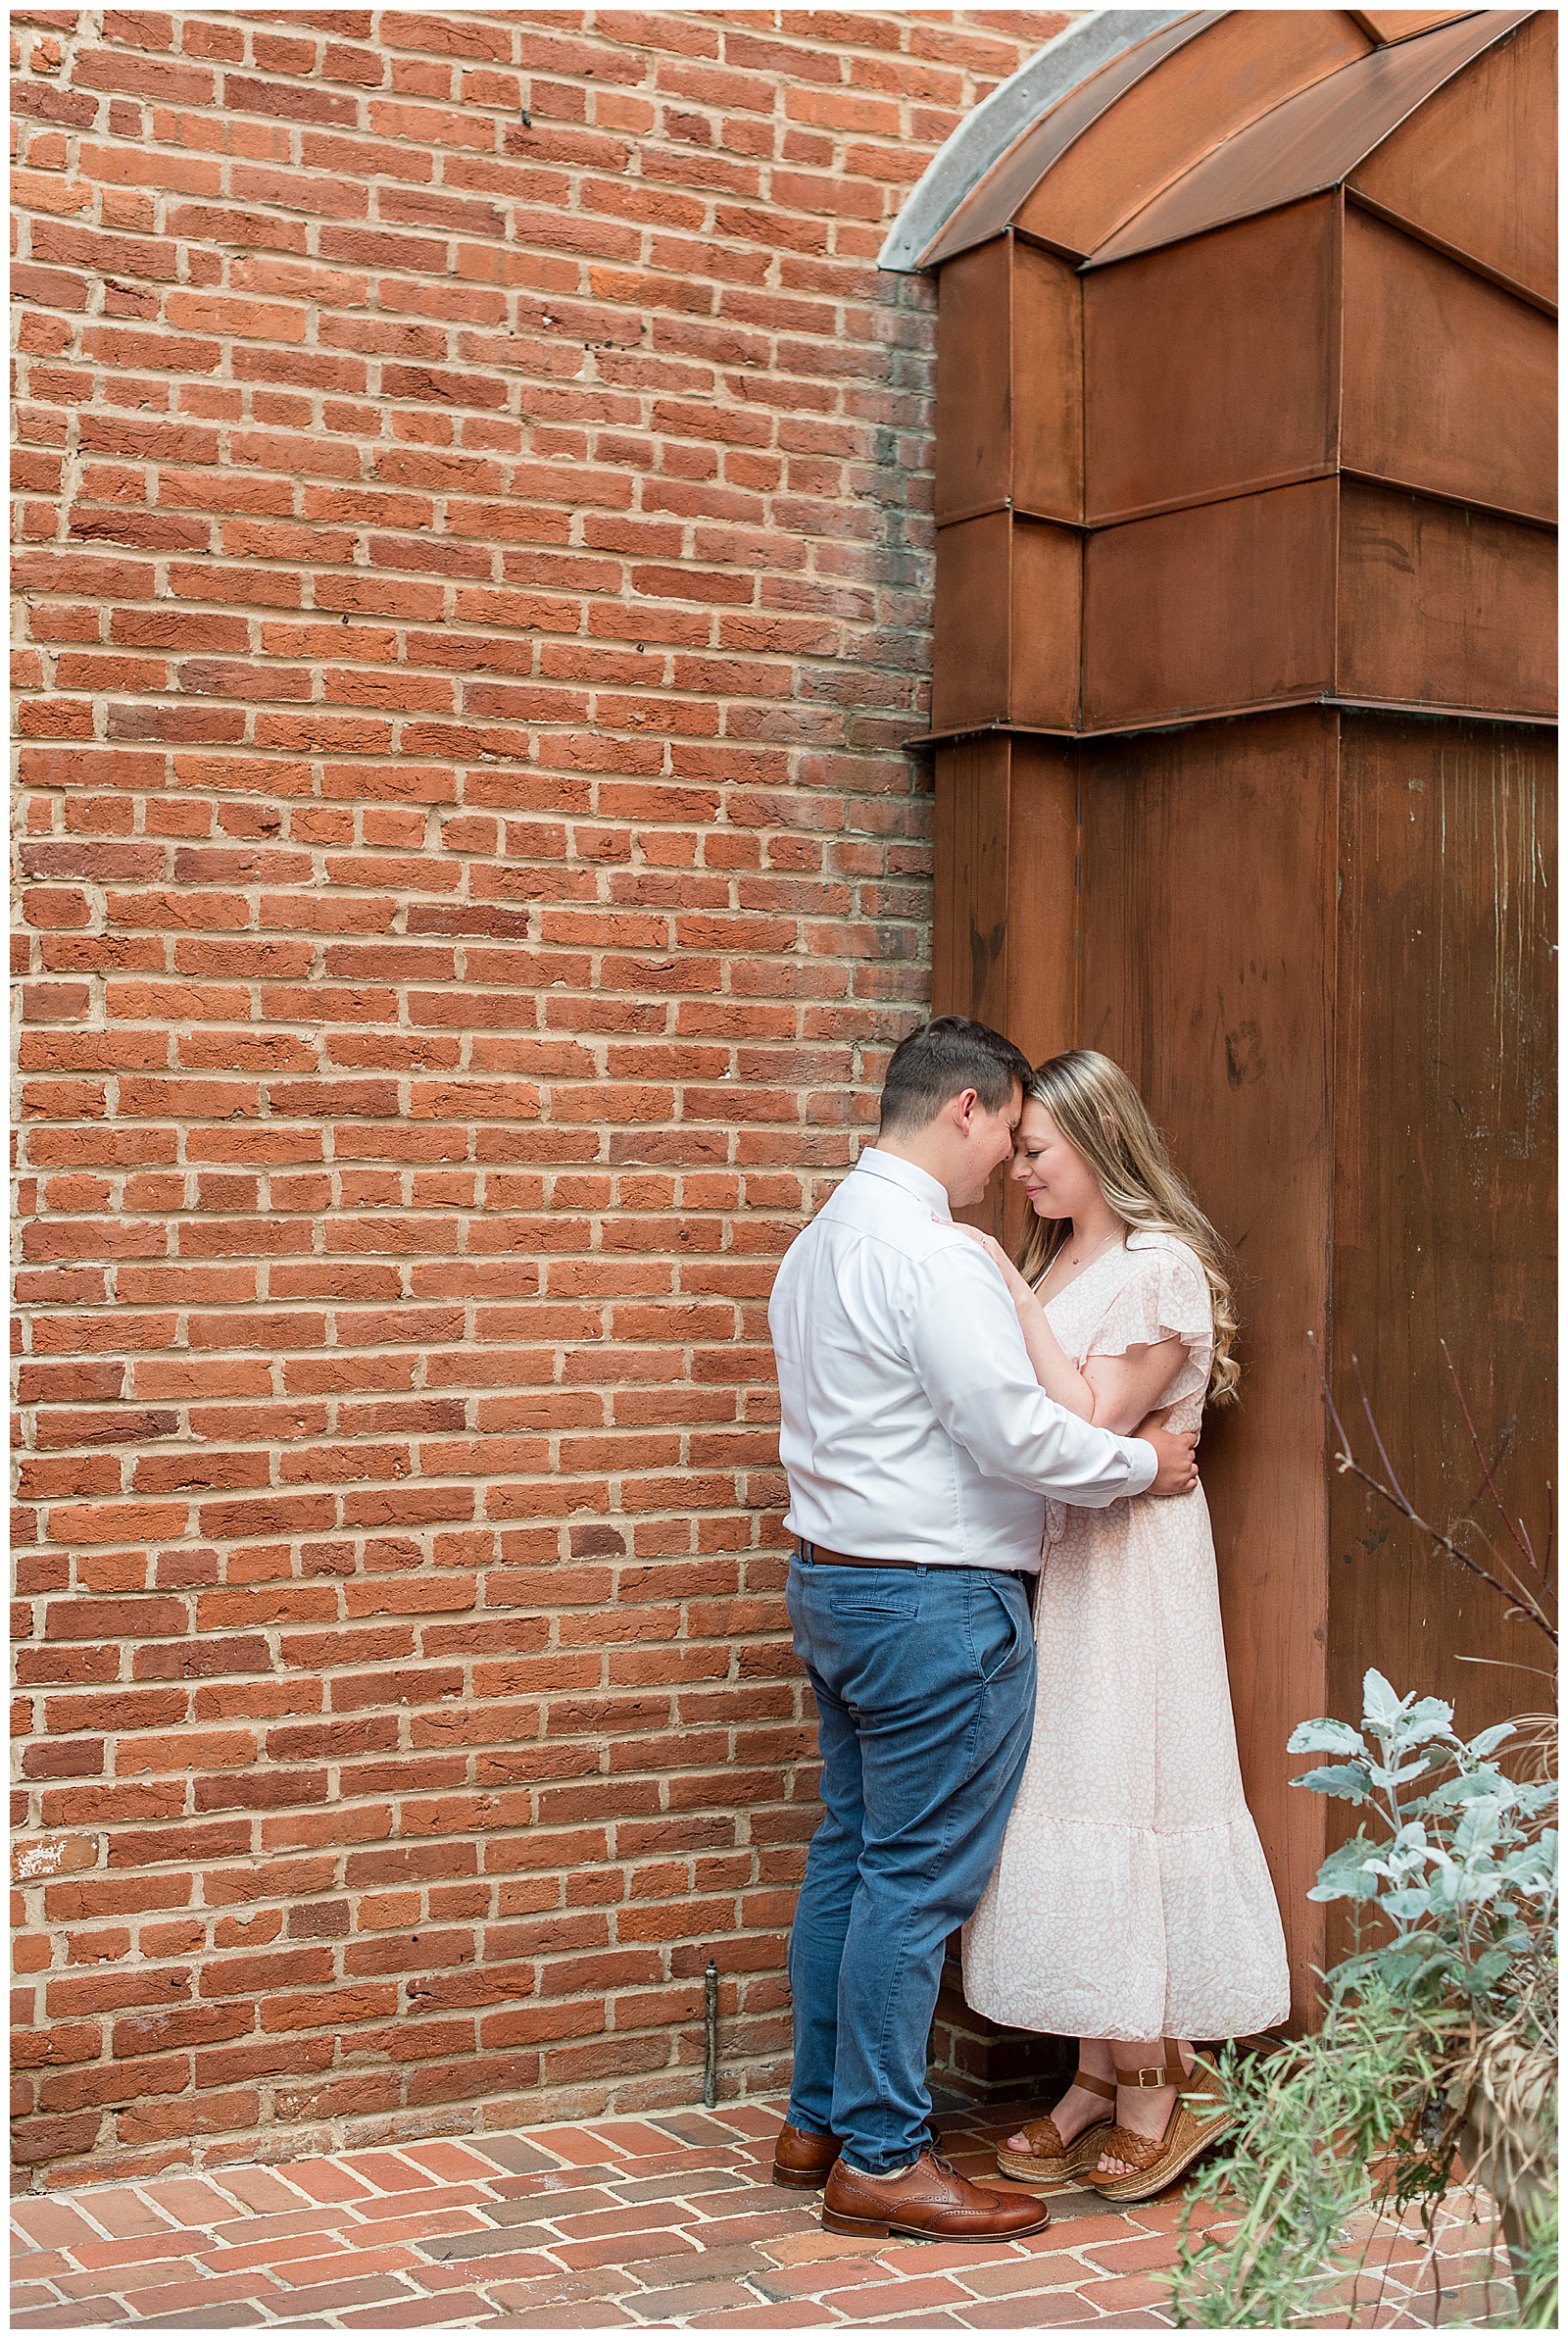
x=1103 y=1244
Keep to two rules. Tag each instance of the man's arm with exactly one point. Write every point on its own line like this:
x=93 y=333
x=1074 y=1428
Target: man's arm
x=970 y=1353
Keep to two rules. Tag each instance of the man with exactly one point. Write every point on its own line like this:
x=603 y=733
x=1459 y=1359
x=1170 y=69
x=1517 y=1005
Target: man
x=919 y=1449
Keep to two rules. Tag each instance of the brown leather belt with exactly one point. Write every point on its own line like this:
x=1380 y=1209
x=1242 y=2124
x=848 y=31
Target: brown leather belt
x=823 y=1558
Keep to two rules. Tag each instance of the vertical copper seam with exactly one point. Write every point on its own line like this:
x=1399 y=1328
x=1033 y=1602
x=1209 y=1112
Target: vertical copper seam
x=1010 y=700
x=1336 y=450
x=1010 y=378
x=1008 y=793
x=1331 y=972
x=1329 y=879
x=1083 y=490
x=1083 y=656
x=1078 y=897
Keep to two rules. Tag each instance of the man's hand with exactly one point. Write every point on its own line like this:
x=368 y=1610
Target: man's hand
x=1177 y=1450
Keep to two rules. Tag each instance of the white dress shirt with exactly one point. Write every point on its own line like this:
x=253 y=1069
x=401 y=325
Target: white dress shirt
x=913 y=1426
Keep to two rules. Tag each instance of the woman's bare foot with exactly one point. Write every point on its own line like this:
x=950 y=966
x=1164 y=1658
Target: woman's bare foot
x=1079 y=2107
x=1145 y=2111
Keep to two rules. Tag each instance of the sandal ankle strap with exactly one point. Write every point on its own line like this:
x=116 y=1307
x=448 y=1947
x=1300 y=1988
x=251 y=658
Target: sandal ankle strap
x=1172 y=2072
x=1093 y=2086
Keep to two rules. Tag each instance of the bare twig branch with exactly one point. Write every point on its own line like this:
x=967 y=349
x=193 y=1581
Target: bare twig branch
x=1511 y=1664
x=1521 y=1601
x=1516 y=1528
x=1399 y=1495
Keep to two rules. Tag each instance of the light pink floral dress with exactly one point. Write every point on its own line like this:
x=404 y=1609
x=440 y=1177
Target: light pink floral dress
x=1131 y=1899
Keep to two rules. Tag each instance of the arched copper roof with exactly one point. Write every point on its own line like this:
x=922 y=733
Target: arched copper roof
x=1211 y=116
x=1001 y=122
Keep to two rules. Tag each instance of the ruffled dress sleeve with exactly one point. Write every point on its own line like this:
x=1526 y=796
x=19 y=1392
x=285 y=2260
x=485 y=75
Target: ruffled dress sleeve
x=1164 y=1297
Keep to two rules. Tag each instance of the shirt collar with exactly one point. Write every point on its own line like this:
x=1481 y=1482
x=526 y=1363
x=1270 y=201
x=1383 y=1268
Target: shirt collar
x=918 y=1182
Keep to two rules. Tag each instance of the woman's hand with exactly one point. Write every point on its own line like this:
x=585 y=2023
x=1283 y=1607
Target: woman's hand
x=1055 y=1372
x=994 y=1251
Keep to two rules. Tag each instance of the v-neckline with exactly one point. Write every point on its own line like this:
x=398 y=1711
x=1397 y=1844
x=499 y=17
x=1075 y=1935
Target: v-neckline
x=1117 y=1251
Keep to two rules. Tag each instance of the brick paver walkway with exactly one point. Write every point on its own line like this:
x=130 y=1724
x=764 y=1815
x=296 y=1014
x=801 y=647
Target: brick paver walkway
x=665 y=2222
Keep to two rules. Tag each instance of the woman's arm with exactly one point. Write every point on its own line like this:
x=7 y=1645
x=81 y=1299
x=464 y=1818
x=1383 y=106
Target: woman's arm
x=1055 y=1370
x=1114 y=1392
x=1128 y=1387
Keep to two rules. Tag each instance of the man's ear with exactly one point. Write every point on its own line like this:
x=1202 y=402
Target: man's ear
x=961 y=1108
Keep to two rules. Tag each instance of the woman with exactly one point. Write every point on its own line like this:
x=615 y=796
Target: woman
x=1131 y=1904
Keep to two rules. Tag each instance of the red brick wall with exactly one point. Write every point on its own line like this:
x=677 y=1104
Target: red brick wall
x=475 y=585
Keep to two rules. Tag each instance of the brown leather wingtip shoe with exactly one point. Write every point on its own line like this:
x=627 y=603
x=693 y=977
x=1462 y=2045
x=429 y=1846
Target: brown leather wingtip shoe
x=802 y=2159
x=930 y=2202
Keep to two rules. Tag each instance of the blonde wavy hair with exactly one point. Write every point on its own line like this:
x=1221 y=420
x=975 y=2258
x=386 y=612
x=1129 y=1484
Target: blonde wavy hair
x=1102 y=1118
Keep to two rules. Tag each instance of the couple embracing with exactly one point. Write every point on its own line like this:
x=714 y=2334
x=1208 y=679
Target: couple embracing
x=1058 y=1776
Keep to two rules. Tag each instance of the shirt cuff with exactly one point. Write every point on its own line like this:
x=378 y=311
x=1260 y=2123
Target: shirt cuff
x=1146 y=1465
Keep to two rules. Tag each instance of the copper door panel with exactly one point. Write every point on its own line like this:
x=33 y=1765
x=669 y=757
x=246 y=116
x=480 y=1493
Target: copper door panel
x=1042 y=896
x=1042 y=917
x=973 y=595
x=1203 y=94
x=1003 y=941
x=1477 y=167
x=1441 y=606
x=1047 y=568
x=1451 y=383
x=1048 y=385
x=1443 y=1219
x=1402 y=23
x=1227 y=605
x=1206 y=908
x=974 y=357
x=969 y=923
x=1213 y=365
x=1313 y=139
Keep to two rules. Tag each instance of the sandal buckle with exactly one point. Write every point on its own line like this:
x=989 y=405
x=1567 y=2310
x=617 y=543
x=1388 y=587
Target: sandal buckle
x=1150 y=2075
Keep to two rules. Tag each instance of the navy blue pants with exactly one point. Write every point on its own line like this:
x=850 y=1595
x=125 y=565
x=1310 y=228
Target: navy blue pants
x=925 y=1684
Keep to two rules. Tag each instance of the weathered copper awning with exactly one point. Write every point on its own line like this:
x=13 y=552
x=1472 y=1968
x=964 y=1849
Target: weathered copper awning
x=1246 y=373
x=1193 y=149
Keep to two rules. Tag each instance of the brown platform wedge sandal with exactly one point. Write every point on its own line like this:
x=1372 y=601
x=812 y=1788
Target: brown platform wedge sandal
x=1049 y=2160
x=1199 y=2119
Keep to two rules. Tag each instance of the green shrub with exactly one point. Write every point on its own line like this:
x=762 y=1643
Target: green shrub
x=1450 y=2012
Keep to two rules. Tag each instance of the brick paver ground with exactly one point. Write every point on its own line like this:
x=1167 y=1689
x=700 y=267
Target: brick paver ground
x=670 y=2222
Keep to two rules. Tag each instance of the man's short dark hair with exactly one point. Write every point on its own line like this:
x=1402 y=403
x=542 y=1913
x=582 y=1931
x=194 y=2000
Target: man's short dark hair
x=942 y=1058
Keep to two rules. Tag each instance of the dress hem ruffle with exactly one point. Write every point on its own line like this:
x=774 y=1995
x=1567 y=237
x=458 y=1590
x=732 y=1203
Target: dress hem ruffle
x=1134 y=1970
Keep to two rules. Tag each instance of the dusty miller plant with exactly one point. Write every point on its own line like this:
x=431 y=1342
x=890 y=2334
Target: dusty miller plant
x=1458 y=1860
x=1463 y=1864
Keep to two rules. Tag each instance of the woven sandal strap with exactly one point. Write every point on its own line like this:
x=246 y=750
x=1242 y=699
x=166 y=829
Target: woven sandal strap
x=1139 y=2151
x=1093 y=2086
